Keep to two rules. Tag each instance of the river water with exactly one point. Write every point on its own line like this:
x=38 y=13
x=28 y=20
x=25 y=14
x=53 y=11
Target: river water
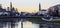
x=26 y=24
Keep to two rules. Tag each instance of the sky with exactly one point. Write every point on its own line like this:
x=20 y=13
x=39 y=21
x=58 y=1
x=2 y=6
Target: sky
x=29 y=5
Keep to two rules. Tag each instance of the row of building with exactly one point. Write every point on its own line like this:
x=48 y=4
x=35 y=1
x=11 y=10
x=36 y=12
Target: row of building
x=11 y=11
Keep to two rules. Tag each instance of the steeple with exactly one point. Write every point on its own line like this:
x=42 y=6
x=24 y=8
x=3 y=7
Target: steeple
x=39 y=6
x=16 y=10
x=10 y=5
x=8 y=9
x=0 y=6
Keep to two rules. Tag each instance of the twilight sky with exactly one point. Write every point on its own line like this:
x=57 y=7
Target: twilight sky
x=29 y=5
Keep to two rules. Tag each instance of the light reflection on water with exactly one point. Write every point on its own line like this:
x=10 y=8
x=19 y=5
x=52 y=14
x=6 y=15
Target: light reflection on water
x=17 y=24
x=28 y=24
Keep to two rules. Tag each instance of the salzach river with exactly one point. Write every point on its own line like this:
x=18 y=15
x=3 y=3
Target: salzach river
x=26 y=24
x=9 y=23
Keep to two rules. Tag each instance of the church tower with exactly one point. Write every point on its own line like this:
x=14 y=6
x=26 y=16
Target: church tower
x=0 y=6
x=16 y=10
x=8 y=9
x=10 y=6
x=39 y=6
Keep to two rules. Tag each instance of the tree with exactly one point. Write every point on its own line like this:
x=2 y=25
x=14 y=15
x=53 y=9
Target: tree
x=53 y=11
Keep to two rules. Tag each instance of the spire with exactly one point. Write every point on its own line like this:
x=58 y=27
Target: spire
x=8 y=9
x=16 y=10
x=0 y=6
x=10 y=5
x=39 y=6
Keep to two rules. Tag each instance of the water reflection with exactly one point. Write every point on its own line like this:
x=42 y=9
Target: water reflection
x=28 y=24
